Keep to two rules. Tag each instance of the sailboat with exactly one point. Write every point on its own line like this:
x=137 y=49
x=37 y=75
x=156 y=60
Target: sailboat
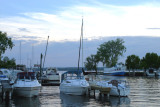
x=73 y=82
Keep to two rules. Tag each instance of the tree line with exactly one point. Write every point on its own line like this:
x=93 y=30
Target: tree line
x=109 y=52
x=150 y=60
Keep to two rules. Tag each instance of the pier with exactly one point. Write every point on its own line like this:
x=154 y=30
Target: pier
x=102 y=90
x=7 y=89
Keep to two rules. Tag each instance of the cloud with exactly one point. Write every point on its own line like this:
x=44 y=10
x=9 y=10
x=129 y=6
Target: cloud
x=154 y=28
x=100 y=20
x=23 y=30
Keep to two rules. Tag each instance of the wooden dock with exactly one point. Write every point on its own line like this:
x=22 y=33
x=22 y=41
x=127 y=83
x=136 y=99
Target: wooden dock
x=102 y=90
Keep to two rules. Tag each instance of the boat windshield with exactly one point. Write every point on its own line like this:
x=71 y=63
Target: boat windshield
x=29 y=76
x=69 y=75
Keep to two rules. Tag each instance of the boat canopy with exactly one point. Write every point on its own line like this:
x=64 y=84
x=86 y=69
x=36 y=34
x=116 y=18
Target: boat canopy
x=72 y=75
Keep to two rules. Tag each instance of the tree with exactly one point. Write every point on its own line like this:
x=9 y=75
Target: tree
x=151 y=60
x=132 y=63
x=5 y=43
x=110 y=51
x=91 y=62
x=8 y=63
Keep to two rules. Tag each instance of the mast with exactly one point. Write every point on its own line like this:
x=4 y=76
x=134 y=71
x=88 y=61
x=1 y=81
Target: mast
x=20 y=52
x=32 y=64
x=45 y=52
x=81 y=41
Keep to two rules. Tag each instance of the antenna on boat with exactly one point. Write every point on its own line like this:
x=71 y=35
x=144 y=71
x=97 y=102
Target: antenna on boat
x=45 y=52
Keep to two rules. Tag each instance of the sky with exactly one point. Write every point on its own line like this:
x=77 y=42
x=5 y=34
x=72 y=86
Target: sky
x=31 y=21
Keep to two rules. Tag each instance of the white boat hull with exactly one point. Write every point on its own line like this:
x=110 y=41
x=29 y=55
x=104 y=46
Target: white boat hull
x=150 y=74
x=26 y=91
x=73 y=90
x=53 y=77
x=120 y=91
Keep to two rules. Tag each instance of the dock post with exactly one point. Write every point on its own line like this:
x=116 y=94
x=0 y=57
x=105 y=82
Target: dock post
x=10 y=95
x=4 y=95
x=108 y=95
x=94 y=92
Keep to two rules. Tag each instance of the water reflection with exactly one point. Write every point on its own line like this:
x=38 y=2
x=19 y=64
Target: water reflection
x=119 y=101
x=73 y=100
x=26 y=102
x=5 y=103
x=113 y=101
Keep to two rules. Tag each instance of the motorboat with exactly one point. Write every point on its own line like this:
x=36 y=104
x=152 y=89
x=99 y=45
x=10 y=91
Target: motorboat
x=52 y=77
x=74 y=83
x=26 y=84
x=118 y=87
x=150 y=72
x=6 y=72
x=118 y=70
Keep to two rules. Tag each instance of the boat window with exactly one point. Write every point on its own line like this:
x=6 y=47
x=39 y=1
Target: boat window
x=5 y=72
x=151 y=71
x=68 y=82
x=21 y=76
x=33 y=77
x=27 y=77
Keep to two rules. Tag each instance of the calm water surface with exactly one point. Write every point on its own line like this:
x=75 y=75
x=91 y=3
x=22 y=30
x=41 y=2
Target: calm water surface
x=145 y=92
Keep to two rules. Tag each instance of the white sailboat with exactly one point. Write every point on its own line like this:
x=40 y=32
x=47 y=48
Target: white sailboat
x=73 y=82
x=26 y=85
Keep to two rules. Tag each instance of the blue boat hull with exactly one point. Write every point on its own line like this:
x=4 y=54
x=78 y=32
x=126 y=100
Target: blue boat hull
x=115 y=74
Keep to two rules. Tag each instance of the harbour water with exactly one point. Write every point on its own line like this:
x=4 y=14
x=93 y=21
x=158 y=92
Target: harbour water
x=145 y=92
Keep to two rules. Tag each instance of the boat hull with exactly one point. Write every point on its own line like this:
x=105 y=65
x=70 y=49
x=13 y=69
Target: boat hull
x=119 y=91
x=27 y=91
x=73 y=90
x=150 y=74
x=115 y=73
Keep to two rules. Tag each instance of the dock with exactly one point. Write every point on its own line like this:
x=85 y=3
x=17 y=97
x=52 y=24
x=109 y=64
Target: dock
x=7 y=89
x=102 y=90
